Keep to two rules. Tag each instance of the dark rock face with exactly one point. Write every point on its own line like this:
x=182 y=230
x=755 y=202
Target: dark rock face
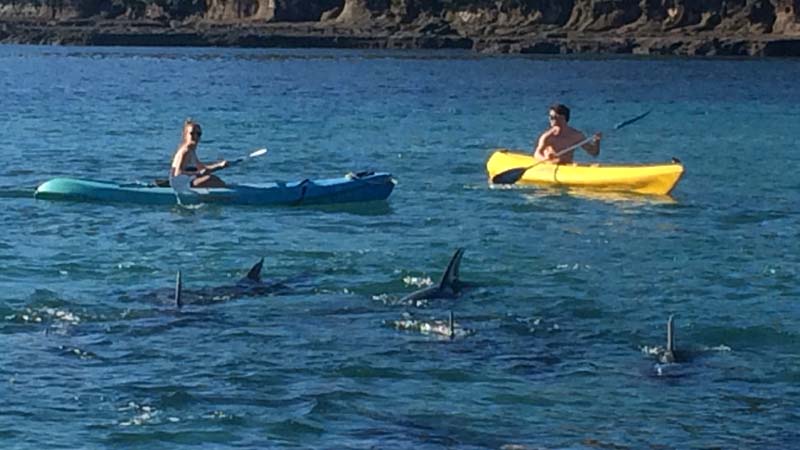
x=683 y=27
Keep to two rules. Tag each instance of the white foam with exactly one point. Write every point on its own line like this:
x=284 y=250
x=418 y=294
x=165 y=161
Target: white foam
x=417 y=281
x=145 y=414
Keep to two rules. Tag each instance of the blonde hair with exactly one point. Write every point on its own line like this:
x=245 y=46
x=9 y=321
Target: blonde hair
x=189 y=122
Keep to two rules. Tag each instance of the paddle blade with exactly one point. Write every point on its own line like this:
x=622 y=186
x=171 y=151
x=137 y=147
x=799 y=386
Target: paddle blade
x=630 y=121
x=258 y=152
x=254 y=154
x=510 y=176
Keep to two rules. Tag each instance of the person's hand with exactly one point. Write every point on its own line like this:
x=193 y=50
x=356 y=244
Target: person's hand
x=223 y=164
x=551 y=155
x=596 y=138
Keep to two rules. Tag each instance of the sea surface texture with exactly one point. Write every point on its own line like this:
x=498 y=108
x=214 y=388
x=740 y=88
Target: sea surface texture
x=570 y=292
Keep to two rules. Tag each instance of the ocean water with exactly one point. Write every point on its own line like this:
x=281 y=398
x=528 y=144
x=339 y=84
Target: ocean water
x=571 y=290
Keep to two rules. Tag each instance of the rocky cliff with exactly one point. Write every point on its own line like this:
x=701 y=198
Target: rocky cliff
x=691 y=27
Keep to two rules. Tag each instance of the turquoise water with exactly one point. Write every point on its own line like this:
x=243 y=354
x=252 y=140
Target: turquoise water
x=570 y=290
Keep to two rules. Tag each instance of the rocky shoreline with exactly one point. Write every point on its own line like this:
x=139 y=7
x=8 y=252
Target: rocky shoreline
x=757 y=28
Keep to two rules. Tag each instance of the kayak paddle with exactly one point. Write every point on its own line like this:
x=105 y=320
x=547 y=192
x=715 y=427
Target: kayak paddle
x=511 y=176
x=252 y=155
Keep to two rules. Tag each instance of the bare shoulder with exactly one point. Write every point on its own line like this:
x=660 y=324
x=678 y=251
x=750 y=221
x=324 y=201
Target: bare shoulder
x=549 y=133
x=179 y=155
x=577 y=134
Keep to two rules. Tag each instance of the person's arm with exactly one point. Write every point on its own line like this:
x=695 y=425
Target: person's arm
x=539 y=153
x=214 y=167
x=593 y=147
x=221 y=164
x=177 y=162
x=200 y=166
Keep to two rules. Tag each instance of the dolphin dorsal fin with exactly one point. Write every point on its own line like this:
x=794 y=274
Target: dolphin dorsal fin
x=178 y=290
x=670 y=334
x=450 y=275
x=255 y=272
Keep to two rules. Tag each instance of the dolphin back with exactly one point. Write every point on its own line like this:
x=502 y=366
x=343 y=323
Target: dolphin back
x=422 y=294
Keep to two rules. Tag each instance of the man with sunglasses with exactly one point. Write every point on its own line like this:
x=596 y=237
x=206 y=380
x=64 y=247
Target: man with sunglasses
x=187 y=168
x=561 y=136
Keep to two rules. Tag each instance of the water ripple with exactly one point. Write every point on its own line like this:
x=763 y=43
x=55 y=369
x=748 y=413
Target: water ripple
x=571 y=288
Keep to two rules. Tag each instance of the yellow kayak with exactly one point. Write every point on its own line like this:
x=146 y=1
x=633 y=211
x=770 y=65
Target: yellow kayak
x=653 y=179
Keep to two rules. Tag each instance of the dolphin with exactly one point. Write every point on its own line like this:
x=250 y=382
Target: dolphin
x=449 y=286
x=667 y=354
x=672 y=361
x=178 y=289
x=250 y=286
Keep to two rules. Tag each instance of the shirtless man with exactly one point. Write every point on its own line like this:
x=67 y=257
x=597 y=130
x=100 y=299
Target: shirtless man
x=561 y=136
x=186 y=164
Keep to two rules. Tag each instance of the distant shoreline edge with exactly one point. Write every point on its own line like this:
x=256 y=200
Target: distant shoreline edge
x=313 y=35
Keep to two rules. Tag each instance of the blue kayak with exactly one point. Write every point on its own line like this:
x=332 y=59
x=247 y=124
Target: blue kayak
x=361 y=187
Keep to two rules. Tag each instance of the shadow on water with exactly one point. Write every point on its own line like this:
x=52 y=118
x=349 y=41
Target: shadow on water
x=613 y=197
x=365 y=209
x=376 y=208
x=16 y=192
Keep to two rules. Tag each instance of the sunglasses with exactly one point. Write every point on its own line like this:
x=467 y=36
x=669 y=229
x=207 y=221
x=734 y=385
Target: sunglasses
x=552 y=116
